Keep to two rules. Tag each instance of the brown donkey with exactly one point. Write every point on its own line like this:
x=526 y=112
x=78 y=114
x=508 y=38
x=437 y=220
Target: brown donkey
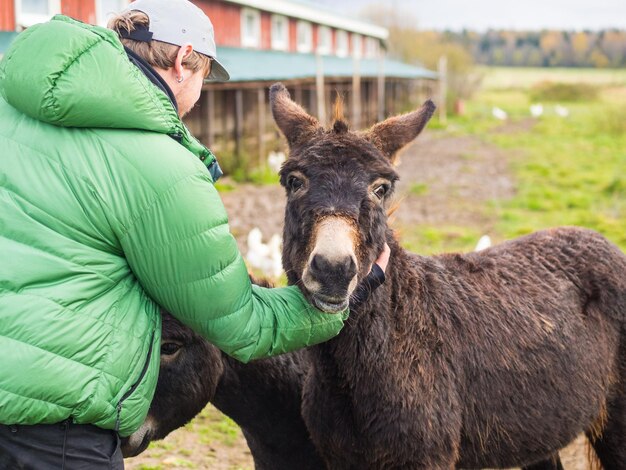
x=263 y=397
x=490 y=359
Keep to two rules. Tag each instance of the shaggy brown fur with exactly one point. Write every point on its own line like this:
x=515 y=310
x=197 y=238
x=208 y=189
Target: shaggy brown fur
x=489 y=359
x=262 y=397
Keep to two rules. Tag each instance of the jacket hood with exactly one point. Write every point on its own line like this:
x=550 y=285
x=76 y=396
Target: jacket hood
x=72 y=74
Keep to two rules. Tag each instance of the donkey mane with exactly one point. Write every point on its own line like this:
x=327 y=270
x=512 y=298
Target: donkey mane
x=340 y=125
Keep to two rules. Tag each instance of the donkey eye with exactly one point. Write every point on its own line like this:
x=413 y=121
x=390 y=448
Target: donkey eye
x=380 y=190
x=294 y=183
x=169 y=349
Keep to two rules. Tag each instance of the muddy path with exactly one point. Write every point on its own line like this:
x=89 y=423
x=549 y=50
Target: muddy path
x=445 y=180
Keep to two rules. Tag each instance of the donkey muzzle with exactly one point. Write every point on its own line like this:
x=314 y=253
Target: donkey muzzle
x=330 y=275
x=137 y=442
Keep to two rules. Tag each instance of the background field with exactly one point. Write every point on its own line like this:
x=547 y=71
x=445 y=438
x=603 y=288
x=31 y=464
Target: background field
x=526 y=77
x=479 y=175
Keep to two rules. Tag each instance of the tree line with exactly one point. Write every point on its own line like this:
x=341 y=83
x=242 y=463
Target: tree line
x=545 y=48
x=548 y=48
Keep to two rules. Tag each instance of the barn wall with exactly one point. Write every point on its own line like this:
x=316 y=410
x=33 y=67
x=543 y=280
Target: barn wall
x=226 y=19
x=314 y=36
x=82 y=10
x=293 y=37
x=7 y=15
x=266 y=30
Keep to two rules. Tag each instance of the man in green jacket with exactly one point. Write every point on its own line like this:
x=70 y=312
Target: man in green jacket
x=107 y=212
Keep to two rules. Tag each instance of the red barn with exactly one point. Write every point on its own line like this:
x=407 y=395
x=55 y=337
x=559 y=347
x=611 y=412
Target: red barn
x=314 y=51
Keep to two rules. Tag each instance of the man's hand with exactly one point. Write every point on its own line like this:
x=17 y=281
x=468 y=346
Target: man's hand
x=373 y=280
x=383 y=258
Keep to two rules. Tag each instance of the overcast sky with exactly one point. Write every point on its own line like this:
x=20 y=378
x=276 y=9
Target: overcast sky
x=506 y=14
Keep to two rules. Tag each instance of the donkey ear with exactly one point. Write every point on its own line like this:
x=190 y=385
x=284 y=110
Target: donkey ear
x=292 y=120
x=396 y=132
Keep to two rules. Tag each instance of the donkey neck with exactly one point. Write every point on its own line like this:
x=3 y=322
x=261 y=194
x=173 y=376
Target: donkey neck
x=264 y=399
x=400 y=291
x=377 y=326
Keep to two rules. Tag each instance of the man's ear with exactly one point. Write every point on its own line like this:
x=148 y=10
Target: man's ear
x=182 y=54
x=396 y=132
x=293 y=121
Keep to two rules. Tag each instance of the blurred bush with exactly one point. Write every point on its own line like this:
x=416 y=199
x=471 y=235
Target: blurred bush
x=563 y=92
x=411 y=45
x=612 y=121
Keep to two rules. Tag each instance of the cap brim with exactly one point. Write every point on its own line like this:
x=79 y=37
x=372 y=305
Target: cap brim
x=218 y=72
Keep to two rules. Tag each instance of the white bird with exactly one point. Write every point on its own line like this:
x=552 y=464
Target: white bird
x=536 y=110
x=257 y=250
x=499 y=113
x=275 y=264
x=266 y=257
x=484 y=242
x=275 y=160
x=561 y=111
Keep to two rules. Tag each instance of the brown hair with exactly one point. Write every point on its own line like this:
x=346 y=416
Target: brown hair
x=156 y=53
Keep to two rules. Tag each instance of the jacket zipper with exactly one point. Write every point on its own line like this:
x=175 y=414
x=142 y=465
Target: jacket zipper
x=177 y=136
x=135 y=385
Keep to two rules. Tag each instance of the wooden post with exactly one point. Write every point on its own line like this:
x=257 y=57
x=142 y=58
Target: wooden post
x=209 y=116
x=356 y=93
x=443 y=88
x=261 y=109
x=366 y=103
x=239 y=125
x=297 y=95
x=312 y=101
x=320 y=89
x=381 y=88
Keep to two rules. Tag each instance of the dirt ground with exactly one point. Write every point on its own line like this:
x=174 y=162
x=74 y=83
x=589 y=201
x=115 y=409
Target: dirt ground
x=444 y=180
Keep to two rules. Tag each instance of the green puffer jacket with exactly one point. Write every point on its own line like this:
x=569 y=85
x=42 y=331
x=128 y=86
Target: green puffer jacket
x=104 y=217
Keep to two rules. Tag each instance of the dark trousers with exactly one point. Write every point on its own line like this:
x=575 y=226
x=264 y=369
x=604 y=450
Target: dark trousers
x=63 y=446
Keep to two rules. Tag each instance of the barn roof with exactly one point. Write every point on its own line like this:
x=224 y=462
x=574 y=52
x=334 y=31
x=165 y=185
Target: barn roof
x=245 y=65
x=310 y=11
x=5 y=39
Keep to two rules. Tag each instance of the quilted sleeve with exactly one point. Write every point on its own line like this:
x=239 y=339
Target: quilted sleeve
x=182 y=253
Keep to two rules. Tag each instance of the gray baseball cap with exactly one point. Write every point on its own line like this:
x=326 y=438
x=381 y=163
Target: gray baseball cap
x=179 y=22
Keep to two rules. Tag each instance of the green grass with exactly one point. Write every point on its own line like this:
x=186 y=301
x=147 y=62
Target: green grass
x=213 y=431
x=559 y=92
x=418 y=189
x=225 y=185
x=162 y=446
x=567 y=177
x=569 y=171
x=430 y=239
x=526 y=77
x=478 y=119
x=261 y=175
x=213 y=426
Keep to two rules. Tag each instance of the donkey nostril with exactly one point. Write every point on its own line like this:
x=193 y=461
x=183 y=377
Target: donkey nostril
x=350 y=268
x=317 y=264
